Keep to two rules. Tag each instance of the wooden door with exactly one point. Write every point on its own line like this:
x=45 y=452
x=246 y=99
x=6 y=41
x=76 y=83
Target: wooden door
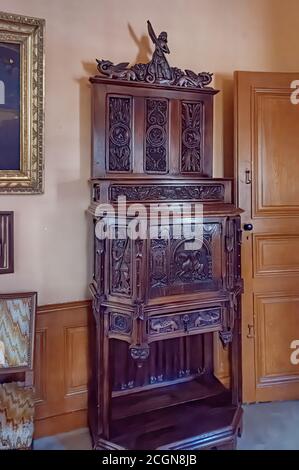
x=267 y=176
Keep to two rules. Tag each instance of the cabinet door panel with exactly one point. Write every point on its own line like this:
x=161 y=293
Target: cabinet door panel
x=178 y=268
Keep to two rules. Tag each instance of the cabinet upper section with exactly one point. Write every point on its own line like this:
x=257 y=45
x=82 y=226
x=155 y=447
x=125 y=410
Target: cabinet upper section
x=152 y=119
x=154 y=130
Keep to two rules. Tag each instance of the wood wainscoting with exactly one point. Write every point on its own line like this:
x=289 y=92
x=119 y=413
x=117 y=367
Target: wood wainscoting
x=62 y=367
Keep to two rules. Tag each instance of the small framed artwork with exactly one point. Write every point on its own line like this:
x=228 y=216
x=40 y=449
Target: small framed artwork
x=21 y=104
x=6 y=242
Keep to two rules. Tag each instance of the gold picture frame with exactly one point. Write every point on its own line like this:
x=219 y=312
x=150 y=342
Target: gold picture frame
x=25 y=37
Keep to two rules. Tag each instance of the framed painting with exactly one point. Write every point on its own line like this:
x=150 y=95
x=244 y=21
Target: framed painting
x=21 y=104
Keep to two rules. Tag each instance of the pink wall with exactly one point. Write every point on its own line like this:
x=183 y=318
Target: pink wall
x=216 y=35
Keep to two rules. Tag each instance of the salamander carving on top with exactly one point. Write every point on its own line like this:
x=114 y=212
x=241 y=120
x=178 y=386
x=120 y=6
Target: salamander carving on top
x=116 y=71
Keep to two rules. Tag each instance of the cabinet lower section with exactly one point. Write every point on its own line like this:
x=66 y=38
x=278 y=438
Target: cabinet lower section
x=170 y=398
x=157 y=305
x=210 y=423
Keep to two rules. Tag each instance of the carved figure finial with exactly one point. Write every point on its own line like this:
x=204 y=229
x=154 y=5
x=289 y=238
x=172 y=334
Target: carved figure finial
x=158 y=70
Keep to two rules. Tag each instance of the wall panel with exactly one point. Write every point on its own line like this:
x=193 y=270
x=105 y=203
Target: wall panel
x=61 y=367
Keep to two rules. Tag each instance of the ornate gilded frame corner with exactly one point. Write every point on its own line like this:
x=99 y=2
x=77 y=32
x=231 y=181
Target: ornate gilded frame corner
x=29 y=34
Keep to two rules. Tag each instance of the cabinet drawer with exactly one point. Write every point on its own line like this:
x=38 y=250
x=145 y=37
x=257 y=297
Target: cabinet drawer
x=180 y=324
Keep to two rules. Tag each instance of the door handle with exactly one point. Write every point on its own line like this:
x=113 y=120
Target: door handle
x=247 y=176
x=250 y=331
x=248 y=227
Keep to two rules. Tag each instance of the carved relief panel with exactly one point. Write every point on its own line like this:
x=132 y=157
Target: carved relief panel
x=120 y=323
x=192 y=136
x=182 y=323
x=176 y=268
x=119 y=139
x=121 y=267
x=156 y=141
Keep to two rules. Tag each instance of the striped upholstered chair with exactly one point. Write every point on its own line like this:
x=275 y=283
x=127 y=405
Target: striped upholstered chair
x=17 y=325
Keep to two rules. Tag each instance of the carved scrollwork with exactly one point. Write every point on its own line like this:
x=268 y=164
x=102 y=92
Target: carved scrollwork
x=213 y=192
x=139 y=73
x=205 y=192
x=119 y=133
x=191 y=152
x=156 y=146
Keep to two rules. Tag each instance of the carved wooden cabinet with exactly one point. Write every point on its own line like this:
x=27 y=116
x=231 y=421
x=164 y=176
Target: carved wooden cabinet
x=157 y=306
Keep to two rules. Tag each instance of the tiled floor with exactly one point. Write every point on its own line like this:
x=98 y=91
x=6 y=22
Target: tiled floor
x=267 y=426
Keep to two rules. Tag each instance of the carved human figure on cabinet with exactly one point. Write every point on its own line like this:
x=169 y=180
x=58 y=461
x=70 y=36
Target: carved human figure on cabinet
x=158 y=68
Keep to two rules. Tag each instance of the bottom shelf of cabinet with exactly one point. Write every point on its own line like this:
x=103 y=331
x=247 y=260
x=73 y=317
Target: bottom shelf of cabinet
x=201 y=387
x=208 y=423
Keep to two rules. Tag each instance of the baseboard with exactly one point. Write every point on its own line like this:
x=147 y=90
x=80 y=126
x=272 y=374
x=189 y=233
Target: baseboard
x=58 y=424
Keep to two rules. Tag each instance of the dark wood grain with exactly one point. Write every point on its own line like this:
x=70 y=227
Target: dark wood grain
x=164 y=427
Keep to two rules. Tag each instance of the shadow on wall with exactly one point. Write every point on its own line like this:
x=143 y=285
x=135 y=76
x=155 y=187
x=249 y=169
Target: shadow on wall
x=144 y=49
